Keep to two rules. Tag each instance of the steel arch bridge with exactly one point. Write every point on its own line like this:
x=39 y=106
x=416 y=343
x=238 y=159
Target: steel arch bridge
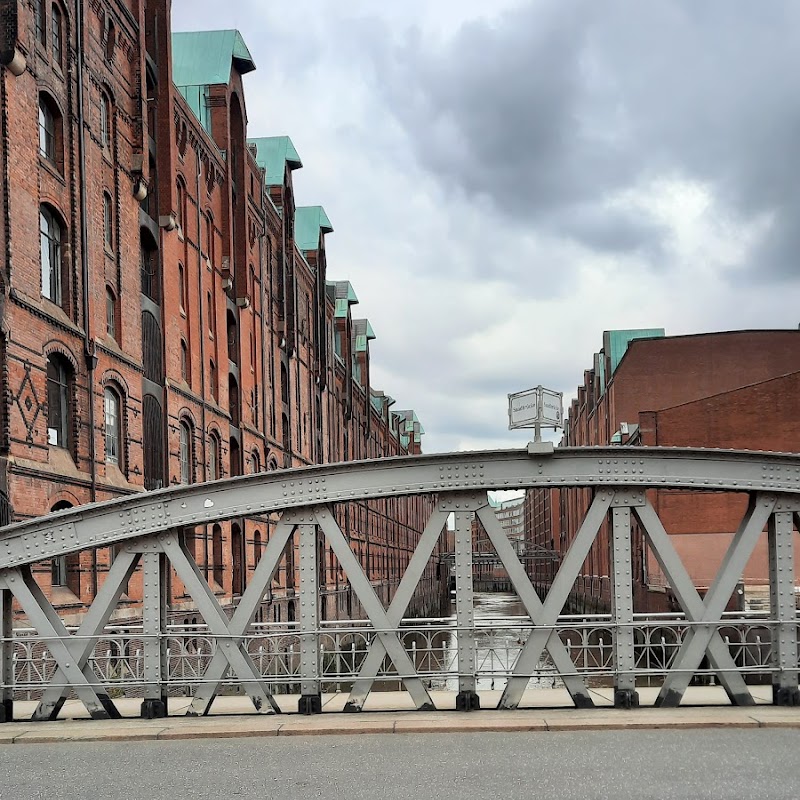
x=147 y=529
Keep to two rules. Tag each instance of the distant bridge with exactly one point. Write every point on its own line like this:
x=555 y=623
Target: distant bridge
x=147 y=529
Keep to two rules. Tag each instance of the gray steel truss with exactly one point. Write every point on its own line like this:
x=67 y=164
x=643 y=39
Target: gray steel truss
x=147 y=529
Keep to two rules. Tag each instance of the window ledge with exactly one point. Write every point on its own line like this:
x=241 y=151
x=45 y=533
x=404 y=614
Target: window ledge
x=52 y=168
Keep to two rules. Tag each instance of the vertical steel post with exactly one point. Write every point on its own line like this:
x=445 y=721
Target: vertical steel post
x=467 y=698
x=310 y=695
x=783 y=610
x=6 y=658
x=625 y=694
x=155 y=606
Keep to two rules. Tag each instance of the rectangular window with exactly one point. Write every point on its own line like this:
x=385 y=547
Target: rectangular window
x=108 y=222
x=41 y=32
x=58 y=571
x=55 y=30
x=105 y=127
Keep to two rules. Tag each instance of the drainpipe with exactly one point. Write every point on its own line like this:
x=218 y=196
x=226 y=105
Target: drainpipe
x=203 y=334
x=88 y=344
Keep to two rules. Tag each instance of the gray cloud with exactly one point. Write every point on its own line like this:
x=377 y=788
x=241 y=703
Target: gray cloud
x=563 y=104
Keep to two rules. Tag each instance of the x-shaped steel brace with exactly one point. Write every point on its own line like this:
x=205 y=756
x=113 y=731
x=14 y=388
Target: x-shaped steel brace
x=384 y=629
x=546 y=614
x=228 y=640
x=405 y=590
x=83 y=642
x=705 y=638
x=244 y=613
x=67 y=651
x=545 y=639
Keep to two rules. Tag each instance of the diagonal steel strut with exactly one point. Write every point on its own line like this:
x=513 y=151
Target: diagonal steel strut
x=373 y=607
x=546 y=614
x=705 y=637
x=397 y=608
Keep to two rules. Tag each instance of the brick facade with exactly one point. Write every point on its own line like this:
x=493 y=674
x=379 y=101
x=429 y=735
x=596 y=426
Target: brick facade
x=165 y=325
x=732 y=390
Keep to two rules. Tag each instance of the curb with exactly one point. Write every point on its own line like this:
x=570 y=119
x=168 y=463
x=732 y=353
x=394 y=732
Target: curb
x=332 y=724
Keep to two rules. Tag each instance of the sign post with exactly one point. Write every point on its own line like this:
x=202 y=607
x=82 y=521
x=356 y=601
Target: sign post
x=536 y=408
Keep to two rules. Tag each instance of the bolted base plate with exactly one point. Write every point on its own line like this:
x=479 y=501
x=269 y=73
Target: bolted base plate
x=785 y=696
x=468 y=701
x=626 y=698
x=153 y=709
x=310 y=704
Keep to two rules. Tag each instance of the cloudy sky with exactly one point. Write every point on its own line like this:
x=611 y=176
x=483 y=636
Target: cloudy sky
x=508 y=179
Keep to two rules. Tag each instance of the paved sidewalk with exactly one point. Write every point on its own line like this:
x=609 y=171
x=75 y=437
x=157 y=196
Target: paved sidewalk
x=392 y=712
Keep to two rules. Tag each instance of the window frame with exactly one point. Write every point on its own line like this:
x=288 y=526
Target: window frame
x=59 y=401
x=185 y=451
x=48 y=138
x=108 y=222
x=112 y=426
x=105 y=121
x=57 y=35
x=54 y=250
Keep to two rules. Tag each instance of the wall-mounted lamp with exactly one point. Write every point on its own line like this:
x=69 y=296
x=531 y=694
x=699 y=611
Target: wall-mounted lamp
x=139 y=189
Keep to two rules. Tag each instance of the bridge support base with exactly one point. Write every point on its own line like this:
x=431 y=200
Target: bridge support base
x=468 y=701
x=626 y=698
x=310 y=704
x=6 y=711
x=785 y=696
x=153 y=709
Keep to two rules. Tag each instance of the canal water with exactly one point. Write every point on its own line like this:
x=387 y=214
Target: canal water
x=499 y=640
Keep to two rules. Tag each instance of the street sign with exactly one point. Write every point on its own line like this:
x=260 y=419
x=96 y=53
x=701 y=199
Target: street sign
x=535 y=408
x=523 y=409
x=552 y=411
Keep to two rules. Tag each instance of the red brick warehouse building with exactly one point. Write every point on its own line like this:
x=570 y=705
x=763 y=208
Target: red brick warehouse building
x=732 y=390
x=166 y=314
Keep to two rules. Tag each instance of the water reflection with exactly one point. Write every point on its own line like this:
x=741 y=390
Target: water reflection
x=499 y=641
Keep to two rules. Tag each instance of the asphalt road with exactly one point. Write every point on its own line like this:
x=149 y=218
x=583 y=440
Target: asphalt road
x=694 y=764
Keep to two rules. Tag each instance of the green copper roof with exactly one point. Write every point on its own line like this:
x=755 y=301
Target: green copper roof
x=344 y=296
x=362 y=333
x=204 y=58
x=309 y=223
x=615 y=343
x=274 y=154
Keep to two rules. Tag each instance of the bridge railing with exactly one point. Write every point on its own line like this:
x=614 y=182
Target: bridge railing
x=118 y=655
x=466 y=653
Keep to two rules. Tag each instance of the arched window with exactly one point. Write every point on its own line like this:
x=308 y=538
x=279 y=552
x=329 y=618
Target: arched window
x=284 y=384
x=216 y=554
x=233 y=337
x=57 y=35
x=233 y=400
x=108 y=222
x=185 y=453
x=51 y=254
x=111 y=38
x=49 y=131
x=59 y=406
x=58 y=565
x=111 y=313
x=182 y=286
x=255 y=462
x=256 y=546
x=185 y=361
x=113 y=426
x=212 y=322
x=209 y=243
x=149 y=264
x=236 y=458
x=105 y=121
x=213 y=379
x=213 y=457
x=180 y=204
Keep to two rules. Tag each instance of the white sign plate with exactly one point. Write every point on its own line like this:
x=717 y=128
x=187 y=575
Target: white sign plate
x=552 y=408
x=523 y=408
x=539 y=406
